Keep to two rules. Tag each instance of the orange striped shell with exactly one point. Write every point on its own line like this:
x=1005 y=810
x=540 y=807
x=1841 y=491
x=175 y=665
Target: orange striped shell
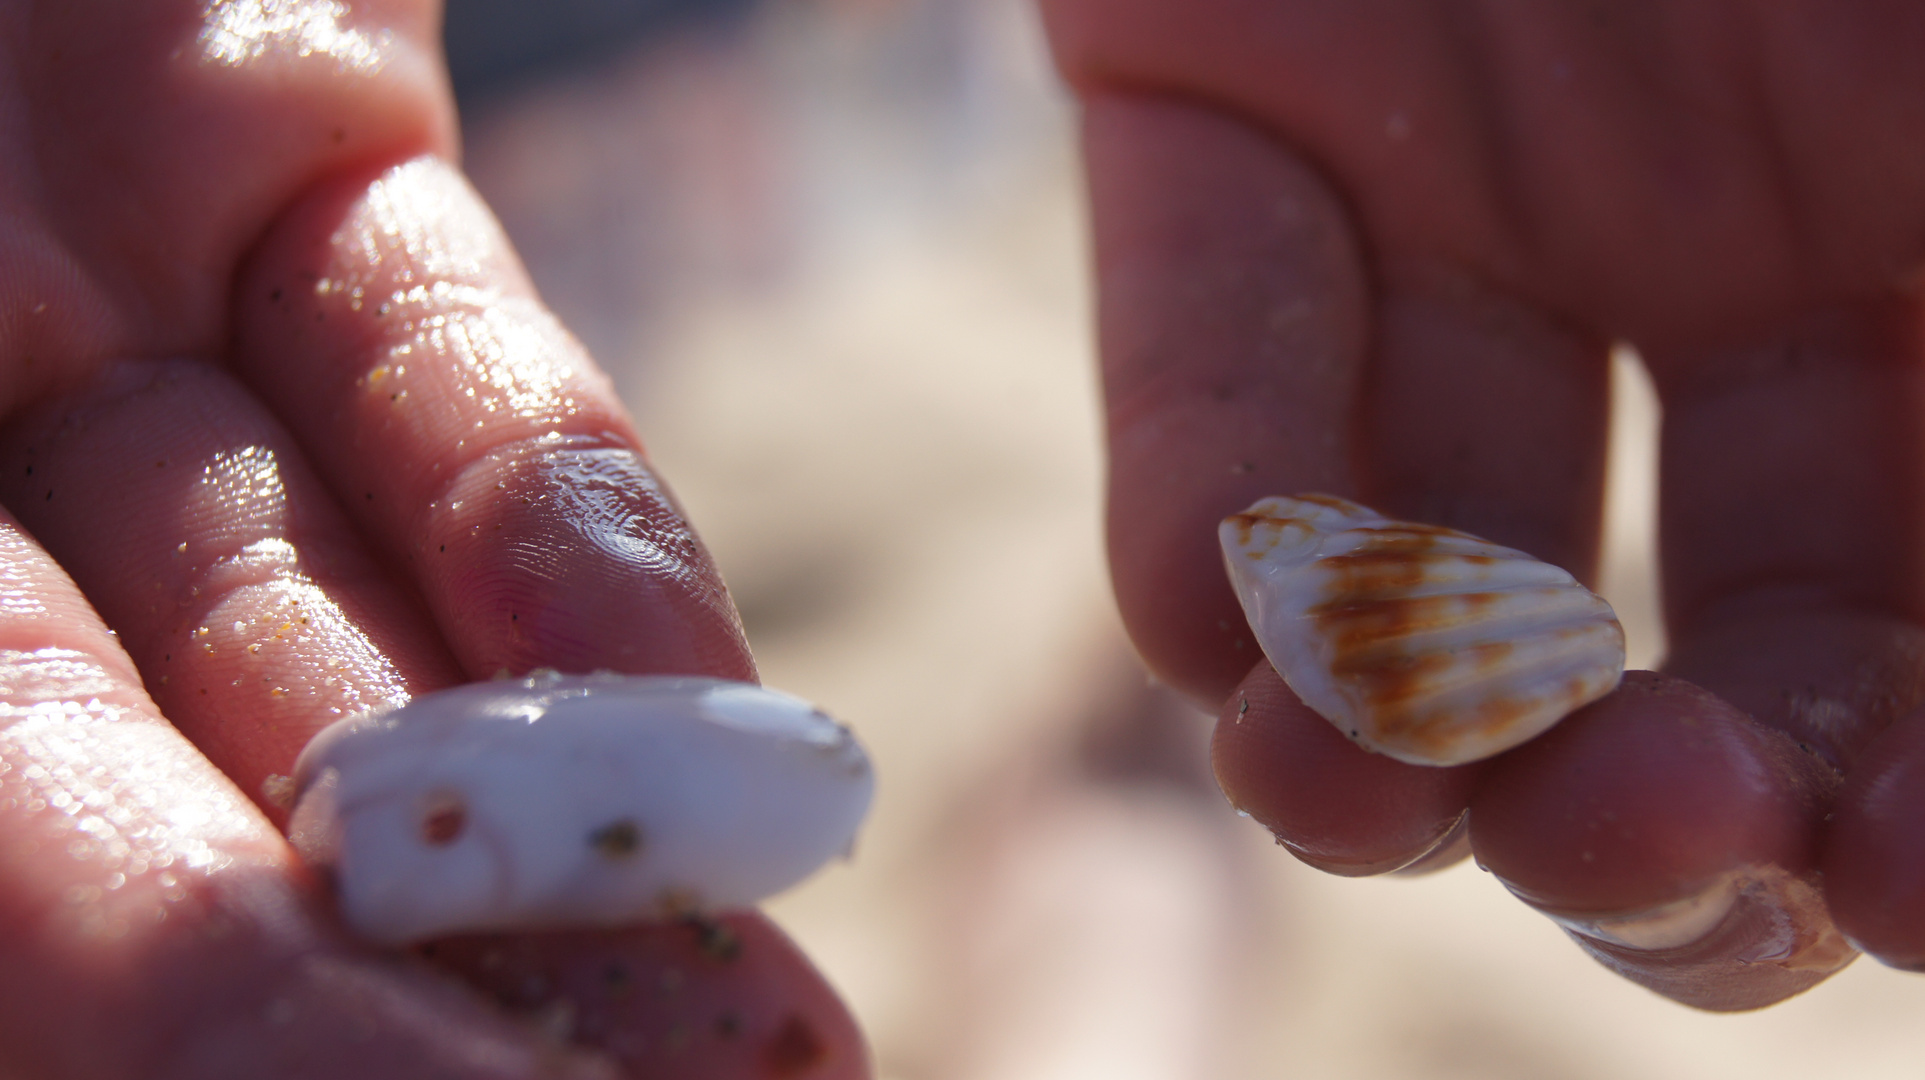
x=1429 y=645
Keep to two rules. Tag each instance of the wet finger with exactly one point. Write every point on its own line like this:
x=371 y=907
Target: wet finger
x=386 y=321
x=252 y=608
x=1328 y=801
x=166 y=137
x=1676 y=839
x=156 y=926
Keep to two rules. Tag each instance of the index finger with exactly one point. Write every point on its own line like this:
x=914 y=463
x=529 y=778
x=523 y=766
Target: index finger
x=388 y=324
x=1247 y=352
x=1232 y=312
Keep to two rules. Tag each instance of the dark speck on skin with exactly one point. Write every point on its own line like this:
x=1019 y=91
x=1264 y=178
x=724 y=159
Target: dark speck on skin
x=617 y=839
x=618 y=980
x=676 y=1040
x=717 y=941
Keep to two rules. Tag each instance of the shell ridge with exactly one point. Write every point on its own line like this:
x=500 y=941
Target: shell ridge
x=1510 y=599
x=1369 y=574
x=1526 y=667
x=1380 y=627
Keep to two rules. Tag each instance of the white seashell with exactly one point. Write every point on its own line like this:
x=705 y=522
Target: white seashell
x=1427 y=644
x=560 y=801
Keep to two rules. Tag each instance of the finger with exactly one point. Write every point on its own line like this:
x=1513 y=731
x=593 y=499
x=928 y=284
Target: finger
x=694 y=1000
x=1328 y=801
x=386 y=321
x=1790 y=485
x=1231 y=309
x=1675 y=838
x=1486 y=414
x=153 y=924
x=1874 y=862
x=163 y=137
x=248 y=602
x=1794 y=474
x=1793 y=481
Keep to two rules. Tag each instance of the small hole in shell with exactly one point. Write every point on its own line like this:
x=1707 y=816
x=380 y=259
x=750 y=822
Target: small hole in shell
x=444 y=819
x=617 y=839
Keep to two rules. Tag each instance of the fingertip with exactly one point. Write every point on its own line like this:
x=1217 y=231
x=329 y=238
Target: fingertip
x=1772 y=941
x=1333 y=804
x=723 y=998
x=1645 y=796
x=1874 y=862
x=1676 y=840
x=1449 y=850
x=573 y=554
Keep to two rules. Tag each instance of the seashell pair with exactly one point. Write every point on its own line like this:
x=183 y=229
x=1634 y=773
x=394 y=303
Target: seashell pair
x=567 y=801
x=1426 y=644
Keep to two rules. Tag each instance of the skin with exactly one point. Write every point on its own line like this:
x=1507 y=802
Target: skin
x=284 y=434
x=1380 y=250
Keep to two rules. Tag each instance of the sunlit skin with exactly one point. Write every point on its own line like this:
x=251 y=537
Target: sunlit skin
x=1381 y=250
x=280 y=408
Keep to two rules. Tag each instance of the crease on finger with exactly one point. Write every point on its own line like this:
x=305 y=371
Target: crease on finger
x=249 y=604
x=157 y=925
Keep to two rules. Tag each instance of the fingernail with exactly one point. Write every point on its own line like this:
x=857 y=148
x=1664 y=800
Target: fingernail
x=1449 y=850
x=1766 y=915
x=1670 y=925
x=1351 y=866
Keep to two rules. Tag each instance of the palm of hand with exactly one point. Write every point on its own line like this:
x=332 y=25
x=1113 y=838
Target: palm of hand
x=1381 y=250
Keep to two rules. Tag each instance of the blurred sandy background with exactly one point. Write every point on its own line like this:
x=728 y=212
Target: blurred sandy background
x=833 y=252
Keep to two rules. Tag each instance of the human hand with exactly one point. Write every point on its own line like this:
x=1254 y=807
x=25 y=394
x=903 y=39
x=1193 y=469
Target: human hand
x=280 y=407
x=1381 y=250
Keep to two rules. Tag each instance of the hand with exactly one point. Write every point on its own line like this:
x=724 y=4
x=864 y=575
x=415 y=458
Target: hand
x=1381 y=250
x=281 y=408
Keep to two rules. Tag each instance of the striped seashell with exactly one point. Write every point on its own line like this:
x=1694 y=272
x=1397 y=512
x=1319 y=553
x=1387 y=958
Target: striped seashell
x=1429 y=645
x=562 y=801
